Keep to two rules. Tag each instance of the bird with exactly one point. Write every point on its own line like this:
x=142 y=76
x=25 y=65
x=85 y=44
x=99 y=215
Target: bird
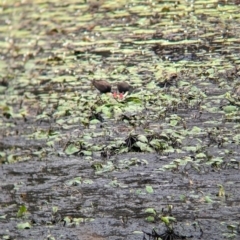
x=124 y=87
x=102 y=85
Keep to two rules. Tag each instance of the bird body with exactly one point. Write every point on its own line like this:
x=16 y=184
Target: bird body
x=102 y=85
x=124 y=87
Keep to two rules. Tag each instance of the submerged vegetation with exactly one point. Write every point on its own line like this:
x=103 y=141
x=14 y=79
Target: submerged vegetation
x=77 y=164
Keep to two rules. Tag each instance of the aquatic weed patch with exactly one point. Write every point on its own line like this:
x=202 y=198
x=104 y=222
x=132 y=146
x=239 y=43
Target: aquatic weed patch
x=76 y=160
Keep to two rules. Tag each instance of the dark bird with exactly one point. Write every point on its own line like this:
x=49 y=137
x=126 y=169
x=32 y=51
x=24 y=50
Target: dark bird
x=124 y=87
x=102 y=85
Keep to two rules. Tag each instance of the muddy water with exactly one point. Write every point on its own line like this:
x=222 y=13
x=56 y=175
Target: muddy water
x=116 y=210
x=84 y=165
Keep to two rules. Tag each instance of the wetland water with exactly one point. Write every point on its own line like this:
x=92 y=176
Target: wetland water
x=79 y=165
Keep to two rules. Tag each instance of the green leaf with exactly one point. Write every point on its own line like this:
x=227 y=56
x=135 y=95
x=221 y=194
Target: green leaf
x=201 y=155
x=143 y=146
x=167 y=220
x=151 y=211
x=149 y=189
x=86 y=153
x=230 y=109
x=221 y=192
x=190 y=148
x=138 y=192
x=88 y=181
x=22 y=210
x=50 y=237
x=117 y=111
x=183 y=83
x=75 y=181
x=54 y=209
x=142 y=138
x=182 y=197
x=26 y=225
x=173 y=122
x=6 y=237
x=150 y=219
x=78 y=220
x=137 y=232
x=208 y=199
x=67 y=220
x=71 y=149
x=196 y=130
x=94 y=121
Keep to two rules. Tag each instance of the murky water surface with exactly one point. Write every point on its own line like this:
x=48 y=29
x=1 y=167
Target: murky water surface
x=79 y=165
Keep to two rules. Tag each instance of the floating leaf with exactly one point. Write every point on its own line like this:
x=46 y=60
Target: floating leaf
x=167 y=219
x=22 y=210
x=137 y=232
x=151 y=211
x=221 y=192
x=149 y=189
x=230 y=109
x=196 y=129
x=143 y=146
x=71 y=149
x=201 y=156
x=25 y=225
x=54 y=209
x=75 y=181
x=142 y=138
x=150 y=219
x=208 y=199
x=77 y=221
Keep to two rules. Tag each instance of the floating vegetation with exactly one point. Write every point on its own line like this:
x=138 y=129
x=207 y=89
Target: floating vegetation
x=164 y=132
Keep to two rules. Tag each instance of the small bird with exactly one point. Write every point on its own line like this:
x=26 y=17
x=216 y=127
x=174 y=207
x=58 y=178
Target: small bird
x=124 y=87
x=102 y=85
